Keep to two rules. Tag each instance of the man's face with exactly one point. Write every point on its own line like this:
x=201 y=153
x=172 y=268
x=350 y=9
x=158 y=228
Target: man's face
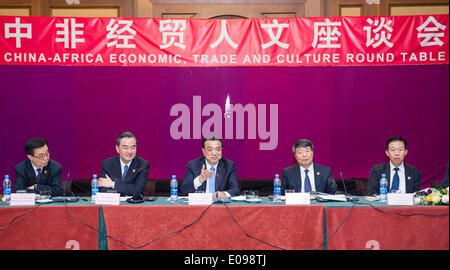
x=304 y=156
x=40 y=156
x=126 y=149
x=396 y=152
x=212 y=151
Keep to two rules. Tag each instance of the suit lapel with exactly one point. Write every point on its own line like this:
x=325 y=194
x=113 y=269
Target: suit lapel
x=408 y=178
x=131 y=170
x=317 y=177
x=298 y=175
x=219 y=174
x=29 y=171
x=116 y=170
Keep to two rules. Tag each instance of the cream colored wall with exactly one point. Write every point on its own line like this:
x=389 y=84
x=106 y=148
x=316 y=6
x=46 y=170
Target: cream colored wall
x=418 y=10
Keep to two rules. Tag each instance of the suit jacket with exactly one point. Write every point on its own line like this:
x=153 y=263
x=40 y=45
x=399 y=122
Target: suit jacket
x=444 y=183
x=226 y=179
x=135 y=179
x=50 y=180
x=412 y=178
x=323 y=179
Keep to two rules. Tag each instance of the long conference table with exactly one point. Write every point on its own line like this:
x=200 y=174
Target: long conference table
x=238 y=225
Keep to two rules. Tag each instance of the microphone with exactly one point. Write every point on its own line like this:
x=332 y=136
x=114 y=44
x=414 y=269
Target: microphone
x=348 y=198
x=63 y=198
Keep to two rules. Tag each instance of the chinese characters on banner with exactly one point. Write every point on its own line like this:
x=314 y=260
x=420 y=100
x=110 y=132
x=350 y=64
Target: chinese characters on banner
x=326 y=41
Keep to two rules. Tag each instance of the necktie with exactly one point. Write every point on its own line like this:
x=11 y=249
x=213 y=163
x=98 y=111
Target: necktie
x=395 y=180
x=125 y=170
x=212 y=181
x=38 y=177
x=307 y=182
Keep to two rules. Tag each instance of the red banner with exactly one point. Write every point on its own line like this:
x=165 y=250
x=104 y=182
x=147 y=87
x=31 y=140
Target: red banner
x=321 y=41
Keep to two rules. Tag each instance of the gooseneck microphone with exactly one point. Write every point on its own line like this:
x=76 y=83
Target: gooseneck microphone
x=348 y=198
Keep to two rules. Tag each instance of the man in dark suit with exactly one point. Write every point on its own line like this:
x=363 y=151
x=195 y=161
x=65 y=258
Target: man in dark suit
x=444 y=183
x=38 y=174
x=211 y=173
x=401 y=177
x=307 y=176
x=126 y=173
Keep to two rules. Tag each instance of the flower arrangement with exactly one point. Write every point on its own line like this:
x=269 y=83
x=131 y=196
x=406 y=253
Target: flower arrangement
x=432 y=196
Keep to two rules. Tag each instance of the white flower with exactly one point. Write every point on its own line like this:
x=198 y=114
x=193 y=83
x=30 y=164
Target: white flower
x=445 y=199
x=417 y=200
x=436 y=199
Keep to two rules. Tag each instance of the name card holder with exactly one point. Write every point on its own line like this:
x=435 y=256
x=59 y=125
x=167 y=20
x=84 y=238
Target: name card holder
x=400 y=198
x=200 y=198
x=22 y=199
x=297 y=198
x=104 y=198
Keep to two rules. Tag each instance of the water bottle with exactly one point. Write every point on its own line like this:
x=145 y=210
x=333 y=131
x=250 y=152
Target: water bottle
x=94 y=187
x=277 y=188
x=7 y=188
x=173 y=189
x=383 y=188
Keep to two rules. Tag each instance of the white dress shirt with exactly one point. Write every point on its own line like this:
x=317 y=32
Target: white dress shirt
x=311 y=177
x=401 y=176
x=197 y=183
x=122 y=168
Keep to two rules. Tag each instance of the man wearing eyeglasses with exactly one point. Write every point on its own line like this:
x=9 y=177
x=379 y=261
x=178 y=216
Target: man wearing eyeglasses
x=126 y=173
x=39 y=173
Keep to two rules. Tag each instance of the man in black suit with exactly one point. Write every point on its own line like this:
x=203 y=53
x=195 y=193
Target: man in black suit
x=211 y=173
x=126 y=173
x=38 y=173
x=307 y=176
x=401 y=177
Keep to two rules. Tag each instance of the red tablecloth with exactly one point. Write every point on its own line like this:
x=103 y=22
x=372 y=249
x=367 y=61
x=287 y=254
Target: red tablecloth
x=289 y=227
x=48 y=227
x=367 y=228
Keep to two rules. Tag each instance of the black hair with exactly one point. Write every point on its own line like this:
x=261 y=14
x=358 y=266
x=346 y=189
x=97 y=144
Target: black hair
x=33 y=144
x=394 y=139
x=302 y=143
x=124 y=135
x=211 y=138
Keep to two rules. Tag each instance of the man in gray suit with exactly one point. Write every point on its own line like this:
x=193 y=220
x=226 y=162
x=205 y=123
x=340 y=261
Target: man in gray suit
x=307 y=176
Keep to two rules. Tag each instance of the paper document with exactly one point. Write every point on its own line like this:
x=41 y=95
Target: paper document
x=340 y=198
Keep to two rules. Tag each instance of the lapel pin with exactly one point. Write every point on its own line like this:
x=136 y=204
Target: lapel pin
x=409 y=177
x=217 y=175
x=45 y=172
x=318 y=173
x=134 y=170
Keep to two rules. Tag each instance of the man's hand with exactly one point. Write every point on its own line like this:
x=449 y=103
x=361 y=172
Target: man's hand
x=106 y=182
x=205 y=174
x=220 y=195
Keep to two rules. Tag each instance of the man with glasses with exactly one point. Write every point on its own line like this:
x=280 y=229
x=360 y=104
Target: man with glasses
x=211 y=173
x=39 y=173
x=126 y=173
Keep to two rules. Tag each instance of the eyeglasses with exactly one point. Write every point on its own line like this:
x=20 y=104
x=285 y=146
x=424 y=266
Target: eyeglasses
x=43 y=156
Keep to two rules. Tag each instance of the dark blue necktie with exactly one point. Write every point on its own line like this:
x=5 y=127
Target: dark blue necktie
x=395 y=180
x=212 y=181
x=125 y=170
x=38 y=177
x=307 y=182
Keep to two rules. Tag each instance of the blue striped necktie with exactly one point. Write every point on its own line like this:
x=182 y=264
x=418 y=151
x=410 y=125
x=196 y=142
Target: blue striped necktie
x=307 y=182
x=125 y=170
x=395 y=180
x=212 y=181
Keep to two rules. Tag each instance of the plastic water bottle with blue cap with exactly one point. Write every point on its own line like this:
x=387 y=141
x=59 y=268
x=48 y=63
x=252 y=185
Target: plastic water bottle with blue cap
x=383 y=188
x=94 y=187
x=277 y=188
x=7 y=188
x=173 y=189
